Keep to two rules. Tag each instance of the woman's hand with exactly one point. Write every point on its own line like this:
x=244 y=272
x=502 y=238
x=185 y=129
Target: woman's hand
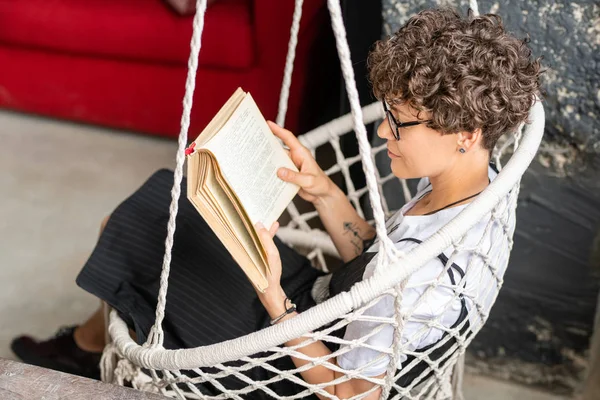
x=274 y=296
x=347 y=229
x=315 y=185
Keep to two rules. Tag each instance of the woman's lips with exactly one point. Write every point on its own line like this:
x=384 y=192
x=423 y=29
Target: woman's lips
x=392 y=155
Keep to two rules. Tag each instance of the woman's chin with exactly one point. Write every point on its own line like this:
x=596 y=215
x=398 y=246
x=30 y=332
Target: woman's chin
x=401 y=173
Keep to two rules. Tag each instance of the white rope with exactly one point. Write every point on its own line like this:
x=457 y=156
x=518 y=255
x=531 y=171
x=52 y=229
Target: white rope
x=339 y=126
x=389 y=251
x=457 y=378
x=396 y=342
x=474 y=6
x=360 y=294
x=459 y=368
x=108 y=363
x=289 y=64
x=155 y=338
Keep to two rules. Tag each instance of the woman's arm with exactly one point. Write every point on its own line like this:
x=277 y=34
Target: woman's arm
x=274 y=301
x=346 y=228
x=321 y=374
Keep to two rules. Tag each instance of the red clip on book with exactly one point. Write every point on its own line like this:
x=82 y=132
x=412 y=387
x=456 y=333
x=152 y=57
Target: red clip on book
x=190 y=149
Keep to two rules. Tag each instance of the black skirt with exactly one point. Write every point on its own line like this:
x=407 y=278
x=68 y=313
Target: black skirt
x=209 y=298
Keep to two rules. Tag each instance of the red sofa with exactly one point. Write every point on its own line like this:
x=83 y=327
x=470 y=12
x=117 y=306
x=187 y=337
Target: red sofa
x=123 y=63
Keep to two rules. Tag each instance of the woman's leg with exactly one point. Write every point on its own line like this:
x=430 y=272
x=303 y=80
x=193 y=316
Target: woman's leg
x=90 y=336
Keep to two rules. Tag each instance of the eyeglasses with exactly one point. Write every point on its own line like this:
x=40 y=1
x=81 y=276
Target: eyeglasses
x=395 y=124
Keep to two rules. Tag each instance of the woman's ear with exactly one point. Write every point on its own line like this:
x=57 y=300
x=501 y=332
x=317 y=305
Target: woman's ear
x=469 y=140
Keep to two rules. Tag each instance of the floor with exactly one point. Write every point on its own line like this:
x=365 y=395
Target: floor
x=58 y=181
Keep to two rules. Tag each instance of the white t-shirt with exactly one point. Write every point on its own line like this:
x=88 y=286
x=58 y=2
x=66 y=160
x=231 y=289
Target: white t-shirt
x=439 y=301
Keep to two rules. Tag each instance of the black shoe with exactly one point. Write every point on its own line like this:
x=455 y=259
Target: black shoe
x=60 y=353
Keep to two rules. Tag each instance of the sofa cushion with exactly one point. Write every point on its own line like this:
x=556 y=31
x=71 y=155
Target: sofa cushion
x=183 y=7
x=186 y=7
x=142 y=30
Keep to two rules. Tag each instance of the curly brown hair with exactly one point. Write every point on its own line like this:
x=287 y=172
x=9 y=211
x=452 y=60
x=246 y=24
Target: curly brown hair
x=468 y=73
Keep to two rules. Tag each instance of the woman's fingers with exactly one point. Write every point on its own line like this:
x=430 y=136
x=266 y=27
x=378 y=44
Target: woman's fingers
x=298 y=178
x=274 y=228
x=268 y=243
x=292 y=146
x=289 y=139
x=288 y=153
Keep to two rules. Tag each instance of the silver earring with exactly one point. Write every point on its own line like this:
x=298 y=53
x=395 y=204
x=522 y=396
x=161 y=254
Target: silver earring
x=463 y=151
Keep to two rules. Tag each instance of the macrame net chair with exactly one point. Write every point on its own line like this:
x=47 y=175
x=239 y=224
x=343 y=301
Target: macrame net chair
x=176 y=373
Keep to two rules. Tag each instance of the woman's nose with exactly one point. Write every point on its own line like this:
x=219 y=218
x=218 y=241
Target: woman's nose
x=384 y=131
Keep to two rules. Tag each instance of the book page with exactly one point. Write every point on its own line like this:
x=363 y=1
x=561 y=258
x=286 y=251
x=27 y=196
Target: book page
x=221 y=117
x=249 y=156
x=220 y=213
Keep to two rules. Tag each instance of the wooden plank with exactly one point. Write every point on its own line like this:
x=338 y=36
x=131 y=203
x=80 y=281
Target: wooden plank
x=23 y=382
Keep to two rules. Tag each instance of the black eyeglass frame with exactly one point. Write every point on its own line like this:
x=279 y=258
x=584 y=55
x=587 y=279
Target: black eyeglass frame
x=395 y=125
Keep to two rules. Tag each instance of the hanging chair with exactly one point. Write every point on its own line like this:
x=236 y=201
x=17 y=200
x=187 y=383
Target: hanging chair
x=177 y=373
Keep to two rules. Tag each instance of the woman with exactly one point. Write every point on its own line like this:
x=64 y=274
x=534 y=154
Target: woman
x=451 y=86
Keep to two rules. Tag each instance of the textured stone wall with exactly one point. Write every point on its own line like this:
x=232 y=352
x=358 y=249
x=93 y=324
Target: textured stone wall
x=567 y=35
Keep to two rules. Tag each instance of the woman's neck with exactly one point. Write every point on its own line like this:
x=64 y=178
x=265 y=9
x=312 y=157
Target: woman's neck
x=453 y=185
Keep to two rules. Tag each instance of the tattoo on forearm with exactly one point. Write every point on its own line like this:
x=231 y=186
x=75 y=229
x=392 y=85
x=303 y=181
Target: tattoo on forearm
x=351 y=229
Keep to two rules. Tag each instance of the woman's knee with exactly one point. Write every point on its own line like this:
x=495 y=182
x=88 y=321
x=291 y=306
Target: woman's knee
x=103 y=223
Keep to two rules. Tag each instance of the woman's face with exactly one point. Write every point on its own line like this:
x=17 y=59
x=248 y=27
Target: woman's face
x=421 y=151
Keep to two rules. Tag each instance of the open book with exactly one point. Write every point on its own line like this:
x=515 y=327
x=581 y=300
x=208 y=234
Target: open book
x=232 y=181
